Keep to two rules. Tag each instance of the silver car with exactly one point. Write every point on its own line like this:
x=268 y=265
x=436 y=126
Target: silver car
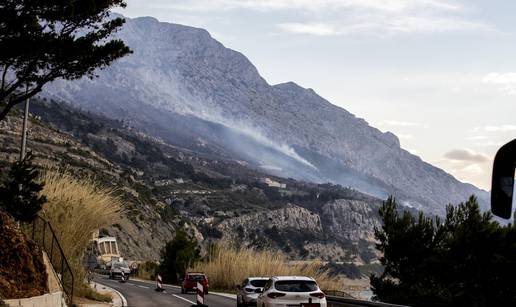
x=249 y=290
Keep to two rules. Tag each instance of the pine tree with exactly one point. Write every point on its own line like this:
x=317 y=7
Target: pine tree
x=43 y=40
x=19 y=195
x=467 y=259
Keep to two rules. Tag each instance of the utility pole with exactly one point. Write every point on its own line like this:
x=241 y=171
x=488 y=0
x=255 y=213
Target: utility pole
x=24 y=131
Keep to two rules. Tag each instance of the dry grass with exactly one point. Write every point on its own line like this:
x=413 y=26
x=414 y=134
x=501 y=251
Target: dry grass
x=76 y=207
x=228 y=266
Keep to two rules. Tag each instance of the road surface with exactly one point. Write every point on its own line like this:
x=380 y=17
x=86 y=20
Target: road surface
x=142 y=294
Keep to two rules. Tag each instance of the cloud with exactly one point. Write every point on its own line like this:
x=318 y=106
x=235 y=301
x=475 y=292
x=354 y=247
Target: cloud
x=397 y=123
x=505 y=82
x=477 y=138
x=314 y=28
x=405 y=136
x=473 y=169
x=466 y=155
x=491 y=144
x=499 y=128
x=386 y=24
x=343 y=17
x=310 y=5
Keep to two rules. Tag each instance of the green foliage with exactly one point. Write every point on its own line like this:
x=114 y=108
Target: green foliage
x=147 y=270
x=177 y=256
x=19 y=195
x=43 y=40
x=465 y=260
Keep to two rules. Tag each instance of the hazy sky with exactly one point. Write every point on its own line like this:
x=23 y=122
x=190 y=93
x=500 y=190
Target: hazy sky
x=440 y=74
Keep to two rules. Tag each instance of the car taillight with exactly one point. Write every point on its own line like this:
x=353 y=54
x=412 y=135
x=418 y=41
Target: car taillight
x=317 y=294
x=275 y=294
x=249 y=289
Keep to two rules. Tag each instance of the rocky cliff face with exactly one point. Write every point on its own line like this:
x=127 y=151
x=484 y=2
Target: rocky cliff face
x=341 y=230
x=184 y=86
x=350 y=219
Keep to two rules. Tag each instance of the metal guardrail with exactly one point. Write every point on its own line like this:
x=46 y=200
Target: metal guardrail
x=44 y=236
x=349 y=302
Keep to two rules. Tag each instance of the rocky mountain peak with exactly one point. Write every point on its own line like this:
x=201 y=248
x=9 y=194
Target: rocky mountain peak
x=181 y=84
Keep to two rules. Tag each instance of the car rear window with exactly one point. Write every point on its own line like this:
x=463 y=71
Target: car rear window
x=259 y=283
x=296 y=285
x=196 y=277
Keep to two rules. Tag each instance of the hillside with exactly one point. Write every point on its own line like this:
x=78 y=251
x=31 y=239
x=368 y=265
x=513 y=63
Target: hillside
x=166 y=187
x=185 y=87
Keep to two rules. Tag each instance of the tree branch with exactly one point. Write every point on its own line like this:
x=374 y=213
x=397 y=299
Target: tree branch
x=6 y=67
x=16 y=99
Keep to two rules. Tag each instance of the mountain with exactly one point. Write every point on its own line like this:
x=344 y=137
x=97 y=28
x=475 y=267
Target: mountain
x=185 y=87
x=164 y=188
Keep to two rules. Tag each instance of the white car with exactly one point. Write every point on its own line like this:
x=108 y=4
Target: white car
x=118 y=268
x=291 y=291
x=249 y=290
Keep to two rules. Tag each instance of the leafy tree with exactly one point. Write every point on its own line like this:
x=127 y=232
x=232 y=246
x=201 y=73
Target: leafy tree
x=466 y=260
x=19 y=195
x=42 y=40
x=177 y=256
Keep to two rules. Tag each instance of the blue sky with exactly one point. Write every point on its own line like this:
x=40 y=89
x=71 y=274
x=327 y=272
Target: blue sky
x=440 y=74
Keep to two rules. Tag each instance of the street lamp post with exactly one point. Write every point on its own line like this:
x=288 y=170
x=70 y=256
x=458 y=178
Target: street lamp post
x=24 y=131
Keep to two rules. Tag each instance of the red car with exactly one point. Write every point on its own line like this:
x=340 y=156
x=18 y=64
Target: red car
x=190 y=282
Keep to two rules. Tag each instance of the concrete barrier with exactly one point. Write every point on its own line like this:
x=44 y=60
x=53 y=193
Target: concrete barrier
x=55 y=299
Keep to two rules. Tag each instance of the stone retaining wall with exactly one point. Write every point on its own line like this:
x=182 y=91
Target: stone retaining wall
x=55 y=299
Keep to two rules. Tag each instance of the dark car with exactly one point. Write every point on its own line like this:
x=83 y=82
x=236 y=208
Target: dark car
x=190 y=282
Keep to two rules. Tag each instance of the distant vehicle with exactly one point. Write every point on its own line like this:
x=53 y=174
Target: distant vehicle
x=249 y=290
x=190 y=282
x=291 y=291
x=106 y=248
x=117 y=267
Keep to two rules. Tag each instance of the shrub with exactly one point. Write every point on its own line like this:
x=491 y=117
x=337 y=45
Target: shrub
x=177 y=256
x=147 y=270
x=226 y=266
x=76 y=207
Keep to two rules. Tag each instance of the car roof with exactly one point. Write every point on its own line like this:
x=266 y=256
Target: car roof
x=278 y=278
x=258 y=278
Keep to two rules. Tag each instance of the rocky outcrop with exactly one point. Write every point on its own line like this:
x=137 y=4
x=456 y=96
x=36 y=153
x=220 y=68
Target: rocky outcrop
x=350 y=219
x=289 y=217
x=342 y=231
x=22 y=270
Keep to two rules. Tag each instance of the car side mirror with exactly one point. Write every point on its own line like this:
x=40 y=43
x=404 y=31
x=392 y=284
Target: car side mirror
x=502 y=186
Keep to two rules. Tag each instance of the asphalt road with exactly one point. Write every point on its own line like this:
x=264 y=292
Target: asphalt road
x=142 y=294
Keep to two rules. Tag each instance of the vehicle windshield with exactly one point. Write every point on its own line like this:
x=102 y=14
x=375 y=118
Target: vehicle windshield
x=296 y=286
x=196 y=277
x=119 y=265
x=259 y=283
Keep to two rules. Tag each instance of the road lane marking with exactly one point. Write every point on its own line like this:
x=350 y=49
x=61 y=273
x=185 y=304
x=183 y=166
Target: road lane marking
x=184 y=299
x=145 y=287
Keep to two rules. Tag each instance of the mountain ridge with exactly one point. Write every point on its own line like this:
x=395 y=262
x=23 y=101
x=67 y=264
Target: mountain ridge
x=221 y=104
